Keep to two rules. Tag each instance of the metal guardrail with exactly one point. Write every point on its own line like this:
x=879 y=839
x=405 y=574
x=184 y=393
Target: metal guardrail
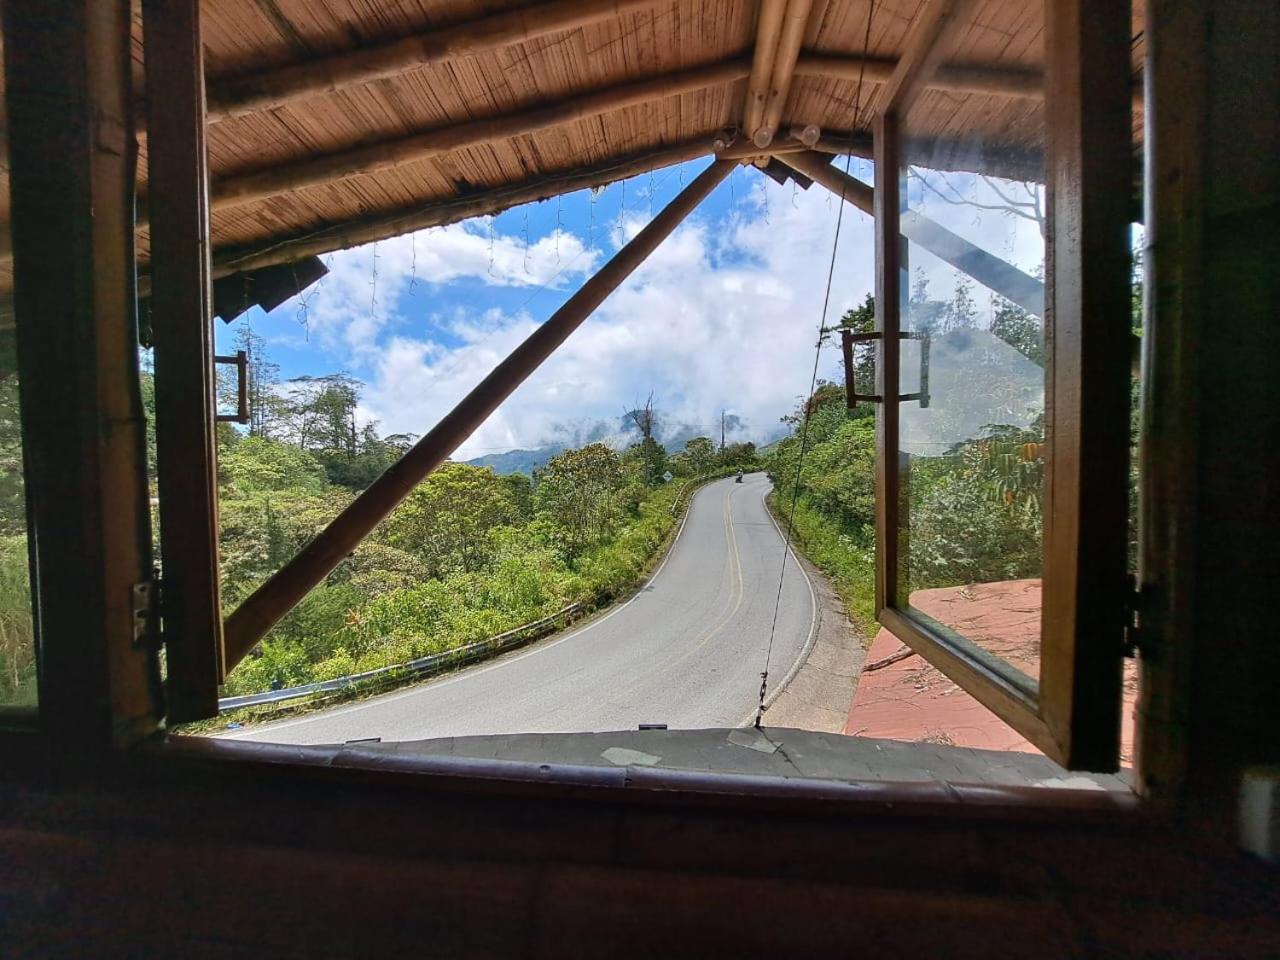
x=423 y=666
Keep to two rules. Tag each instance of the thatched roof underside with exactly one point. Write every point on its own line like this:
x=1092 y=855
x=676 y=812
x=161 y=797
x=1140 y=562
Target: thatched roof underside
x=285 y=182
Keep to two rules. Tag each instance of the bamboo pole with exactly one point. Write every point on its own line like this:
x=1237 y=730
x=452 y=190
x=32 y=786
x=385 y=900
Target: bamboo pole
x=789 y=41
x=257 y=614
x=236 y=96
x=990 y=271
x=246 y=188
x=371 y=158
x=962 y=78
x=396 y=223
x=453 y=209
x=768 y=27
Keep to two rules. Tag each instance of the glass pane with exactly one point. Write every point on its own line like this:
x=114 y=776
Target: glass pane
x=972 y=442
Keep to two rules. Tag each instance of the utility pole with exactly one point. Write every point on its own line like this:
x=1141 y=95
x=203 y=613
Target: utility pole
x=722 y=431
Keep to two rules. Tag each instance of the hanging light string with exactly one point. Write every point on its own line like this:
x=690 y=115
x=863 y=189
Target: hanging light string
x=813 y=384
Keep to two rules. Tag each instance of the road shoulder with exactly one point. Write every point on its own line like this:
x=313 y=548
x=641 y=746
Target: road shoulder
x=817 y=697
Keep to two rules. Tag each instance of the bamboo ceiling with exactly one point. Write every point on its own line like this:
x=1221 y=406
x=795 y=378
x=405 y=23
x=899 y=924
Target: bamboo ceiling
x=572 y=93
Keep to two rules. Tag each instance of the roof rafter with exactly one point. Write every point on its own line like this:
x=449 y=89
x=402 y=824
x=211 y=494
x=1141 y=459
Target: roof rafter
x=235 y=96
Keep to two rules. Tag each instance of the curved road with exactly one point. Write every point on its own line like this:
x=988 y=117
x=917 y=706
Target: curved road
x=687 y=650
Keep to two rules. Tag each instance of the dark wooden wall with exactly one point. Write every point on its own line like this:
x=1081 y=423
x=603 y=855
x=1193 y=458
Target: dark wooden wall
x=216 y=859
x=1211 y=515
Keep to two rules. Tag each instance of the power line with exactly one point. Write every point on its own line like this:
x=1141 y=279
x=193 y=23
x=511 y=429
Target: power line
x=813 y=383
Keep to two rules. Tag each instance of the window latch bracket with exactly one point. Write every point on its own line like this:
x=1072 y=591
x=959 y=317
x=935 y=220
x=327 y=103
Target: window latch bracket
x=852 y=398
x=1135 y=641
x=145 y=605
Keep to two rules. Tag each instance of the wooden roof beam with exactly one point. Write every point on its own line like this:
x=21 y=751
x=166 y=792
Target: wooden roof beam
x=961 y=78
x=768 y=28
x=991 y=79
x=395 y=223
x=789 y=42
x=930 y=40
x=235 y=96
x=370 y=158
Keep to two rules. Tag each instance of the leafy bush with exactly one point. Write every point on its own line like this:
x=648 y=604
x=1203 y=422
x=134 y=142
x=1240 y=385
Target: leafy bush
x=17 y=638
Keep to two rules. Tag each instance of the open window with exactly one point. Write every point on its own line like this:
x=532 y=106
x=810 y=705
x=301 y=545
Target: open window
x=1002 y=299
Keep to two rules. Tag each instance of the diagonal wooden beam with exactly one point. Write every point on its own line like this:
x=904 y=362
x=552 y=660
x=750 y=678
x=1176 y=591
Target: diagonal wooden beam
x=960 y=77
x=989 y=270
x=789 y=41
x=264 y=608
x=235 y=96
x=928 y=44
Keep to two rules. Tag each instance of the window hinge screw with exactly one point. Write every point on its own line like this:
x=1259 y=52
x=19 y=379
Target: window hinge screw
x=146 y=613
x=1134 y=639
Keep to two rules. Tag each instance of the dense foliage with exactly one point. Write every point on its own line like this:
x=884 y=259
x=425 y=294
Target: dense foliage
x=975 y=508
x=17 y=639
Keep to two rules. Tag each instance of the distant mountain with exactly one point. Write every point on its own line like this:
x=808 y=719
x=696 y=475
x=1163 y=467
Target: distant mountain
x=517 y=461
x=619 y=434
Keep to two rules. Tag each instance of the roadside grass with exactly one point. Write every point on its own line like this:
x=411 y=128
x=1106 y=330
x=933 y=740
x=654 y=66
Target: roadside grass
x=849 y=566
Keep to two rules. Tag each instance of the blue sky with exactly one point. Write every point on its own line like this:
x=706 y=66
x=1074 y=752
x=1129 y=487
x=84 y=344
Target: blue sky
x=723 y=315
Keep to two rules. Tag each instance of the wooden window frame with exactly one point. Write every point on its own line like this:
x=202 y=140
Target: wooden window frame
x=90 y=721
x=1073 y=713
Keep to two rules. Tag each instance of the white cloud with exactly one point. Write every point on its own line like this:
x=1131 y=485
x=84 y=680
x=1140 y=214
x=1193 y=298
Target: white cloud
x=723 y=315
x=353 y=305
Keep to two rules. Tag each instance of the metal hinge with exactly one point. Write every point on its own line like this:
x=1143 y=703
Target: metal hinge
x=1134 y=640
x=146 y=613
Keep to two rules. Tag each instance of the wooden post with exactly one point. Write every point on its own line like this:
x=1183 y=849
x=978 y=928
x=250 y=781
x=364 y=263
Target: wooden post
x=182 y=329
x=889 y=284
x=71 y=161
x=1087 y=266
x=1211 y=407
x=256 y=615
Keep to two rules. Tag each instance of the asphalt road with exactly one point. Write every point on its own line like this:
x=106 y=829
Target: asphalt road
x=687 y=650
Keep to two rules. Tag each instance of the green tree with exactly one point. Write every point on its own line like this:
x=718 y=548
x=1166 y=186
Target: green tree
x=961 y=313
x=646 y=461
x=862 y=319
x=449 y=518
x=575 y=494
x=258 y=465
x=700 y=452
x=13 y=508
x=1019 y=328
